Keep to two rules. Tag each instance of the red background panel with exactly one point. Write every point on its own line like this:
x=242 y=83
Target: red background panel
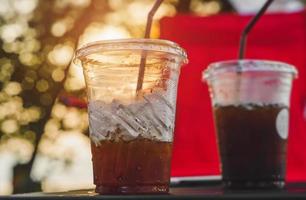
x=208 y=39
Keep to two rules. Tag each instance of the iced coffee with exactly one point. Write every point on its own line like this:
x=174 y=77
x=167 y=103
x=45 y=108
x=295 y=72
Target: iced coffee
x=131 y=131
x=251 y=113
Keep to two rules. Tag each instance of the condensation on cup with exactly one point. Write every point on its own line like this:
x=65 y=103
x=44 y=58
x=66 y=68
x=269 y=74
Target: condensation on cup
x=131 y=132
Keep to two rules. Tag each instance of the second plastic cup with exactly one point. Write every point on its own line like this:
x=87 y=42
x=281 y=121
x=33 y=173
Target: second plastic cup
x=251 y=112
x=131 y=132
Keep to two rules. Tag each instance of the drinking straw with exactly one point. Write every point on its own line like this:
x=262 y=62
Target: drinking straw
x=250 y=26
x=147 y=35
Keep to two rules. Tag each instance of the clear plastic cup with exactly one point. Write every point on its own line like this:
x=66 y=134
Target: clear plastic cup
x=131 y=132
x=251 y=100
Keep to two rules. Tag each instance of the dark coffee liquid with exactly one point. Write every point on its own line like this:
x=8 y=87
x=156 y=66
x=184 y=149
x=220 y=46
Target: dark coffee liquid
x=132 y=167
x=253 y=153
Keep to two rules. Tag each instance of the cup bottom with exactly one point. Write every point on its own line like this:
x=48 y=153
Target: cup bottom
x=254 y=184
x=147 y=189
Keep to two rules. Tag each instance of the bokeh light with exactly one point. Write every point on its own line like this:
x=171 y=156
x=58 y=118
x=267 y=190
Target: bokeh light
x=61 y=4
x=20 y=147
x=72 y=119
x=42 y=85
x=97 y=31
x=74 y=148
x=10 y=32
x=76 y=79
x=6 y=69
x=58 y=75
x=61 y=55
x=205 y=8
x=52 y=129
x=12 y=88
x=9 y=126
x=29 y=59
x=24 y=6
x=59 y=110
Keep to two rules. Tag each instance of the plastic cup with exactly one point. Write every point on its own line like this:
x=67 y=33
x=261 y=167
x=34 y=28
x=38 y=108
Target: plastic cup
x=251 y=100
x=131 y=133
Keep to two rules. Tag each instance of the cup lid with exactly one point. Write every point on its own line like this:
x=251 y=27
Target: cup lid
x=158 y=45
x=248 y=65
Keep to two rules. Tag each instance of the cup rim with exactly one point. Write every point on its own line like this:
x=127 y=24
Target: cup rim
x=248 y=65
x=158 y=45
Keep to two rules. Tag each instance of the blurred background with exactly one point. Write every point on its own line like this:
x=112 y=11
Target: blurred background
x=44 y=141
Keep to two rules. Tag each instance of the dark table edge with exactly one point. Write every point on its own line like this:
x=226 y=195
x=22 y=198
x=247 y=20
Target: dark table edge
x=295 y=190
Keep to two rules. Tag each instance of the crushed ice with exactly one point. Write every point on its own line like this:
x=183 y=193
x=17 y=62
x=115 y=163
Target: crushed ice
x=151 y=118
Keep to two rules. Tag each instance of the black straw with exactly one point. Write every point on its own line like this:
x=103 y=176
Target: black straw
x=249 y=27
x=147 y=35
